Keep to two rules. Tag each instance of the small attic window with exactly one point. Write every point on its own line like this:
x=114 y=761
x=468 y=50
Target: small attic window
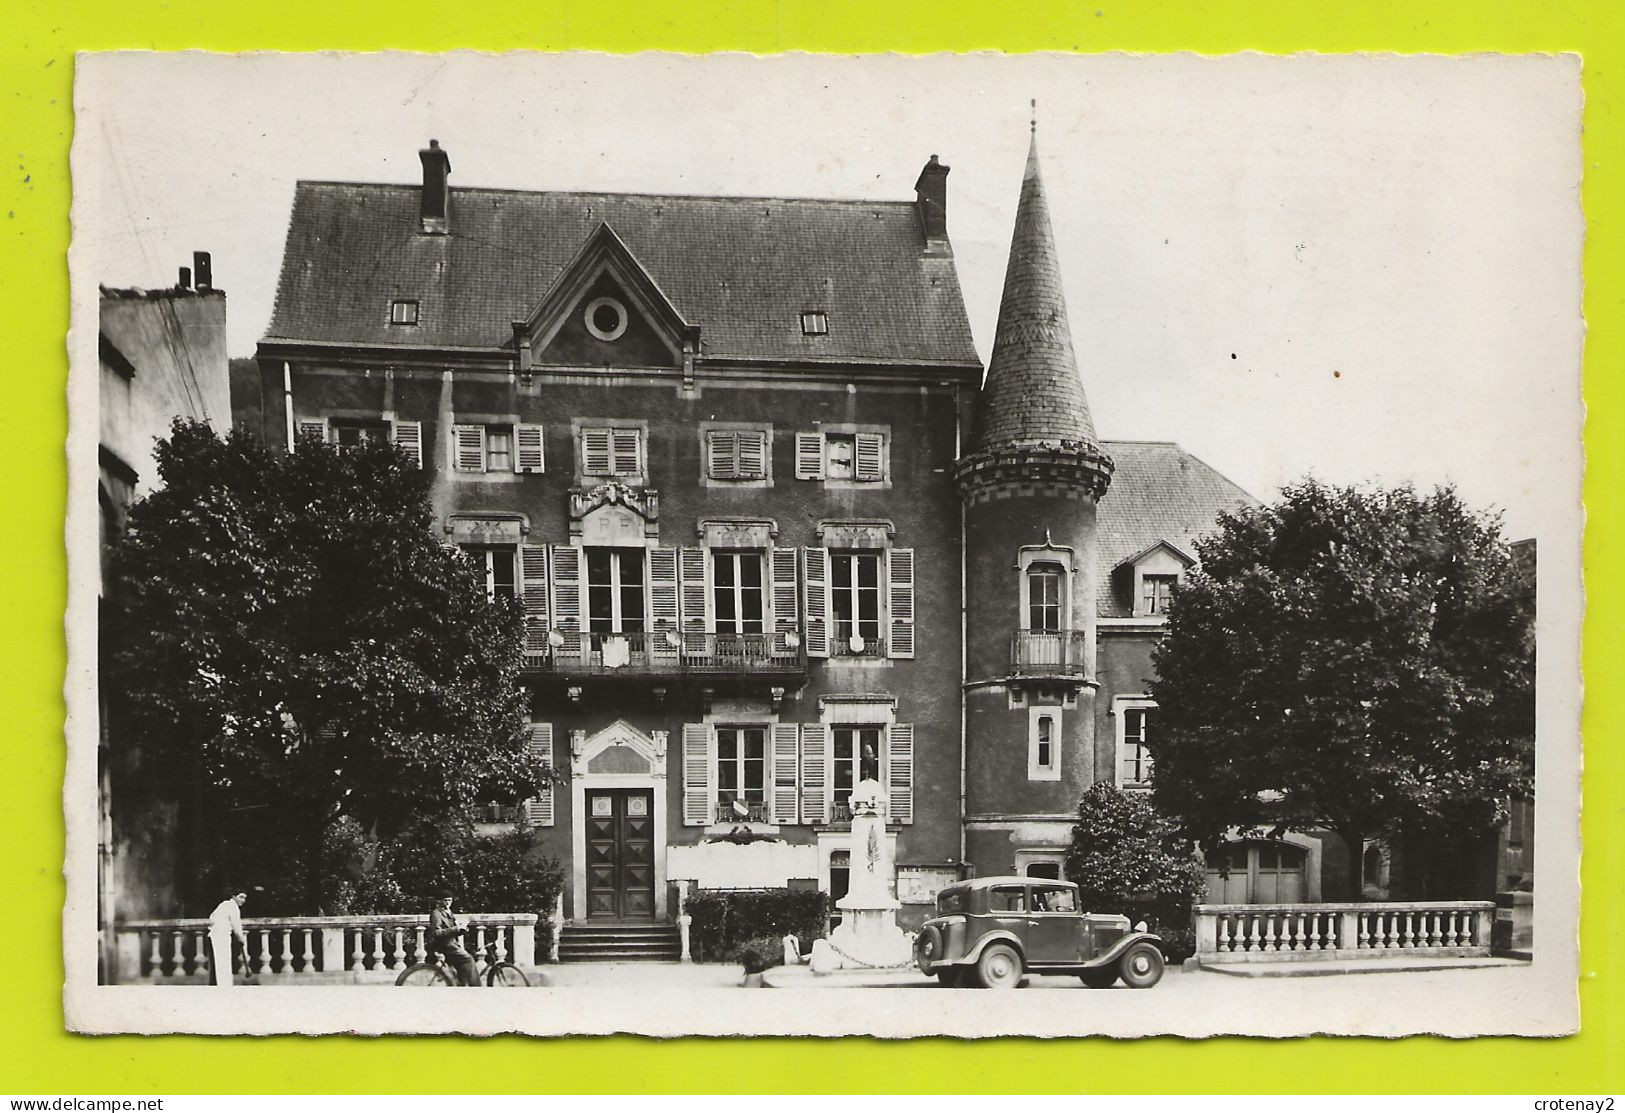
x=403 y=312
x=814 y=322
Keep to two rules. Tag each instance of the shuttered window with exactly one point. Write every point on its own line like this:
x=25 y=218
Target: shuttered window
x=900 y=772
x=900 y=603
x=815 y=576
x=539 y=744
x=612 y=452
x=868 y=465
x=786 y=613
x=814 y=773
x=527 y=450
x=809 y=455
x=533 y=579
x=854 y=590
x=699 y=798
x=468 y=448
x=736 y=454
x=565 y=598
x=408 y=437
x=786 y=763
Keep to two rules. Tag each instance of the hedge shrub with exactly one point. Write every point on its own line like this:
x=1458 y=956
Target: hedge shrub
x=760 y=954
x=721 y=920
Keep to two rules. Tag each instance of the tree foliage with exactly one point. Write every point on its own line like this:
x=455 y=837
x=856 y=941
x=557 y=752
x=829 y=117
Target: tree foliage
x=293 y=645
x=1126 y=857
x=1352 y=659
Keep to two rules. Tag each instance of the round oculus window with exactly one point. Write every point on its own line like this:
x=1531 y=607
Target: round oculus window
x=605 y=318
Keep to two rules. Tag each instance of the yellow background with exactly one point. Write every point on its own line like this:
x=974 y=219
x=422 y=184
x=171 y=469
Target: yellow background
x=37 y=47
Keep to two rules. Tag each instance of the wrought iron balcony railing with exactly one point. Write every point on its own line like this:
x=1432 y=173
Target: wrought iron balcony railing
x=667 y=653
x=1049 y=652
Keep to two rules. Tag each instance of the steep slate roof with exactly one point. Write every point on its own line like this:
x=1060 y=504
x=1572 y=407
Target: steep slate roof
x=1159 y=492
x=1033 y=394
x=743 y=269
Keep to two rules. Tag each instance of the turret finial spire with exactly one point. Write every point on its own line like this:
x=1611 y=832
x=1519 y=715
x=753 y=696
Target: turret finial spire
x=1034 y=124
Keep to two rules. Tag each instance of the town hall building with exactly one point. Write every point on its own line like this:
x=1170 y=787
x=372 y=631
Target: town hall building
x=773 y=527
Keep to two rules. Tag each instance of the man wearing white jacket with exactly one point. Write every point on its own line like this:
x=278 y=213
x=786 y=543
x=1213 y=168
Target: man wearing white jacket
x=225 y=922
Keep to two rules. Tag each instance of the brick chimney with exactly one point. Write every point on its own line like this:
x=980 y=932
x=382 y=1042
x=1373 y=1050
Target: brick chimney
x=436 y=197
x=931 y=202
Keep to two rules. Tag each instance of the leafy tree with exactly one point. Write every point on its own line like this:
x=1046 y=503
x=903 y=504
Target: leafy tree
x=293 y=646
x=1350 y=659
x=1126 y=857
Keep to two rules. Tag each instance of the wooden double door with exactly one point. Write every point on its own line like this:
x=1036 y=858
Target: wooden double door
x=620 y=854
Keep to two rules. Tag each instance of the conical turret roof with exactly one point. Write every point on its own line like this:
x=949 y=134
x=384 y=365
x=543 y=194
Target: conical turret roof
x=1033 y=395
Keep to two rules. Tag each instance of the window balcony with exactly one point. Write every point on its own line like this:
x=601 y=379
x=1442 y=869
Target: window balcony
x=668 y=653
x=1049 y=653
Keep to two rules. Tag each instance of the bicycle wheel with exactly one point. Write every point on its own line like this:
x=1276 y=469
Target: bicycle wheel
x=423 y=973
x=506 y=975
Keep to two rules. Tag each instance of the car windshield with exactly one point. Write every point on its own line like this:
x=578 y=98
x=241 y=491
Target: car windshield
x=1054 y=900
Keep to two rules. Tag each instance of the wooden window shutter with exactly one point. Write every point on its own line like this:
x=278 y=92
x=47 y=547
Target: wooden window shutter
x=722 y=450
x=314 y=428
x=900 y=602
x=786 y=756
x=814 y=773
x=663 y=609
x=566 y=597
x=527 y=449
x=751 y=455
x=809 y=455
x=781 y=570
x=900 y=772
x=408 y=437
x=699 y=801
x=696 y=595
x=539 y=808
x=624 y=443
x=533 y=577
x=595 y=452
x=468 y=447
x=869 y=456
x=815 y=576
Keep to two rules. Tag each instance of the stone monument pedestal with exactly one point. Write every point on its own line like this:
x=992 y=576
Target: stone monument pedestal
x=868 y=937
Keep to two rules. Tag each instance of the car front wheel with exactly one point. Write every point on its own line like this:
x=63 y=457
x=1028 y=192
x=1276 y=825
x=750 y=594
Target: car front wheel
x=1141 y=966
x=999 y=967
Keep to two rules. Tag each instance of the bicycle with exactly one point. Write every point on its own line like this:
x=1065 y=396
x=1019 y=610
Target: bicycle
x=436 y=972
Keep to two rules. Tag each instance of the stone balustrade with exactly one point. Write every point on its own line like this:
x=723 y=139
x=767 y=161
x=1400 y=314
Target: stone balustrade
x=1299 y=932
x=309 y=949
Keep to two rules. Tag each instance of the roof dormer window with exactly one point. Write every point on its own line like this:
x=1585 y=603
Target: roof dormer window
x=403 y=312
x=814 y=322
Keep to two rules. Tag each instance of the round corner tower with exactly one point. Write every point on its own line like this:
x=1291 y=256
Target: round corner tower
x=1030 y=480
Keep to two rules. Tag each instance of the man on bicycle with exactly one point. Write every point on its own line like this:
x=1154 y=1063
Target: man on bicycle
x=445 y=936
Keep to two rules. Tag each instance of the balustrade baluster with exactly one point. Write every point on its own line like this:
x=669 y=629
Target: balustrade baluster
x=1450 y=929
x=1314 y=931
x=419 y=954
x=155 y=956
x=1222 y=936
x=308 y=959
x=500 y=938
x=177 y=953
x=287 y=950
x=1365 y=933
x=1269 y=933
x=356 y=962
x=377 y=948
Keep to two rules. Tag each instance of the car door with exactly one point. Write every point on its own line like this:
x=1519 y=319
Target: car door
x=1055 y=934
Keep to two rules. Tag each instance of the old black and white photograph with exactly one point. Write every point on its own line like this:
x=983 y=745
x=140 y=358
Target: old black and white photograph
x=977 y=545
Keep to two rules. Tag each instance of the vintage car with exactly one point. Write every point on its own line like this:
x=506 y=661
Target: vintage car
x=989 y=931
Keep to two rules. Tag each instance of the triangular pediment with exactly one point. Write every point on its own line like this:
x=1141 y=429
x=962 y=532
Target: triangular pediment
x=605 y=310
x=1167 y=547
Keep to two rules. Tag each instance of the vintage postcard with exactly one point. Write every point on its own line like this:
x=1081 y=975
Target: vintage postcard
x=974 y=545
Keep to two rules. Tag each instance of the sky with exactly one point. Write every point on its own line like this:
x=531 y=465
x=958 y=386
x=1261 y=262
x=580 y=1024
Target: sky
x=1364 y=268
